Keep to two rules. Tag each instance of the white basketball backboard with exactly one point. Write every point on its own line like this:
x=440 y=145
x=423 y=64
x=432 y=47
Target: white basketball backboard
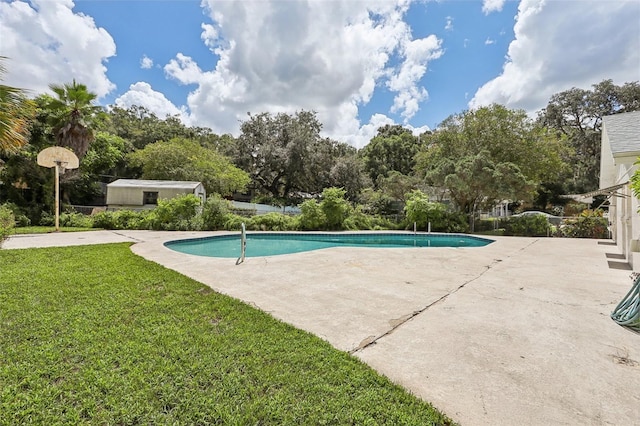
x=57 y=155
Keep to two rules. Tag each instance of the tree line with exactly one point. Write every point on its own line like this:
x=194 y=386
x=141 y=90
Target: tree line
x=474 y=159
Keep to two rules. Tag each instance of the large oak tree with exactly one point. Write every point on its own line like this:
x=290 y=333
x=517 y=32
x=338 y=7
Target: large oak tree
x=577 y=115
x=487 y=155
x=286 y=156
x=393 y=149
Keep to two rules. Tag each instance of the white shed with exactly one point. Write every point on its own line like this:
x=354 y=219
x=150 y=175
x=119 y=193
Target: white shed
x=620 y=150
x=142 y=194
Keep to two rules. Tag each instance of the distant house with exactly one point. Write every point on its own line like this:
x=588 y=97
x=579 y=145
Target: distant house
x=620 y=149
x=144 y=194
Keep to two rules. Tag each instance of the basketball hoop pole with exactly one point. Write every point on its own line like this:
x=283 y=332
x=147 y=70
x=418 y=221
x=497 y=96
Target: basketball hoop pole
x=57 y=171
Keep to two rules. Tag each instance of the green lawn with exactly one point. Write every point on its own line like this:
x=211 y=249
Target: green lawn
x=98 y=335
x=47 y=229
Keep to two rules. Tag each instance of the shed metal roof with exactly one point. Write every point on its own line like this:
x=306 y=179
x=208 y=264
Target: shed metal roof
x=623 y=131
x=148 y=183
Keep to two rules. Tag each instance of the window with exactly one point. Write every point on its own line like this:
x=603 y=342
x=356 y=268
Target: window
x=149 y=197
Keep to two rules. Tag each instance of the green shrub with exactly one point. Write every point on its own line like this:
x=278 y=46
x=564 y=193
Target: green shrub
x=527 y=226
x=272 y=222
x=379 y=203
x=7 y=222
x=590 y=224
x=452 y=222
x=573 y=208
x=175 y=214
x=311 y=217
x=103 y=220
x=421 y=211
x=213 y=213
x=21 y=219
x=233 y=222
x=121 y=219
x=75 y=220
x=358 y=220
x=382 y=223
x=131 y=219
x=335 y=208
x=67 y=219
x=47 y=219
x=486 y=225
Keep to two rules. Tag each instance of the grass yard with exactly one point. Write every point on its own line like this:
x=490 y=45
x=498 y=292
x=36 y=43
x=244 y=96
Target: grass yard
x=47 y=229
x=98 y=335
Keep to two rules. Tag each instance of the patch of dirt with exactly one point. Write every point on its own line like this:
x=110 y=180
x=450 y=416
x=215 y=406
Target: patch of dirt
x=623 y=359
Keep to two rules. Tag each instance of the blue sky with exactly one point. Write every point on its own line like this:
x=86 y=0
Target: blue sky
x=359 y=64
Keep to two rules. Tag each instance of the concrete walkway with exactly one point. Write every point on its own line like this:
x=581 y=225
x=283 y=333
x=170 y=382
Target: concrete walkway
x=517 y=332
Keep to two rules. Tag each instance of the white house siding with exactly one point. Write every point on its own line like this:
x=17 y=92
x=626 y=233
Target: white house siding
x=620 y=149
x=626 y=214
x=608 y=172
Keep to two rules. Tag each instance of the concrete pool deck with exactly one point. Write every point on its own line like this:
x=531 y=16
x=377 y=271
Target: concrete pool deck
x=517 y=332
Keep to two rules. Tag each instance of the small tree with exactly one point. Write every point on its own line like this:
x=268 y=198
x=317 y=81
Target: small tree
x=421 y=211
x=214 y=213
x=311 y=217
x=335 y=207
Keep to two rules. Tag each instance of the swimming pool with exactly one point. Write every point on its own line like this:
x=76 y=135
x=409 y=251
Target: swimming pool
x=272 y=244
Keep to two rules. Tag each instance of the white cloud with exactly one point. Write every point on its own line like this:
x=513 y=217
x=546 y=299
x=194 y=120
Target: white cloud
x=489 y=41
x=142 y=94
x=449 y=25
x=489 y=6
x=558 y=46
x=209 y=36
x=48 y=43
x=417 y=53
x=184 y=70
x=360 y=135
x=282 y=56
x=146 y=63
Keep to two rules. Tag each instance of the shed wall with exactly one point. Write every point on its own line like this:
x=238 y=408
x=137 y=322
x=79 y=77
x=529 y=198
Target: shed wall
x=134 y=196
x=124 y=196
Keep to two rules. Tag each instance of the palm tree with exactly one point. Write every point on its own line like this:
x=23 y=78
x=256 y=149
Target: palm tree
x=15 y=112
x=72 y=112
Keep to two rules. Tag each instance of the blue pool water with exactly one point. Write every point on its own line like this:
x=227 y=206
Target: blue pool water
x=271 y=244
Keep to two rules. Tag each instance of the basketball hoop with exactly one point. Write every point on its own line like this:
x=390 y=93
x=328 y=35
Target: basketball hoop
x=61 y=159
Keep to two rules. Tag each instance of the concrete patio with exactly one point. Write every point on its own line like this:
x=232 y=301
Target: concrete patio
x=517 y=332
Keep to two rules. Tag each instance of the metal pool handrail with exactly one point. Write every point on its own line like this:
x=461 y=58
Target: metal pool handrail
x=243 y=244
